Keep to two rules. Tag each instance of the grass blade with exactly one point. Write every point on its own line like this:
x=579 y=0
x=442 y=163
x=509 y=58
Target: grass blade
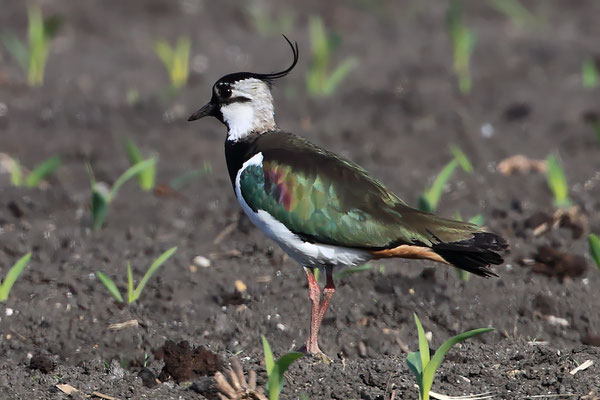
x=38 y=46
x=110 y=285
x=18 y=50
x=165 y=53
x=414 y=363
x=12 y=276
x=352 y=270
x=181 y=63
x=130 y=298
x=43 y=170
x=430 y=199
x=276 y=379
x=515 y=11
x=146 y=178
x=557 y=182
x=423 y=345
x=100 y=202
x=155 y=265
x=438 y=357
x=337 y=76
x=462 y=158
x=477 y=220
x=16 y=173
x=594 y=243
x=130 y=173
x=589 y=74
x=269 y=361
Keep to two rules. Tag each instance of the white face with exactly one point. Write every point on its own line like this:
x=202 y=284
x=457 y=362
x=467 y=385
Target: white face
x=249 y=109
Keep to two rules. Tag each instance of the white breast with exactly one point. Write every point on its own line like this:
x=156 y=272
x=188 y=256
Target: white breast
x=305 y=253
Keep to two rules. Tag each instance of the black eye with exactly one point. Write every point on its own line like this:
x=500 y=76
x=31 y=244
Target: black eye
x=224 y=91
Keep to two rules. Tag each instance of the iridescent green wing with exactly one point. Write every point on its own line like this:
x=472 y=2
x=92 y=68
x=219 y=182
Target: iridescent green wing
x=326 y=199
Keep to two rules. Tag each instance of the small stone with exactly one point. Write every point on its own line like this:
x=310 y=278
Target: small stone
x=9 y=312
x=240 y=286
x=202 y=261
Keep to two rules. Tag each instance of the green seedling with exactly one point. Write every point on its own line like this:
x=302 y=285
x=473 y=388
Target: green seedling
x=176 y=60
x=146 y=178
x=430 y=199
x=557 y=182
x=133 y=295
x=35 y=177
x=319 y=81
x=515 y=11
x=594 y=242
x=463 y=44
x=276 y=369
x=102 y=195
x=33 y=58
x=589 y=74
x=352 y=270
x=266 y=24
x=423 y=367
x=12 y=276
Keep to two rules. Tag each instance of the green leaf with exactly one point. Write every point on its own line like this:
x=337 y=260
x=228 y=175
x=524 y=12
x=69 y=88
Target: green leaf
x=38 y=47
x=557 y=182
x=414 y=364
x=110 y=285
x=594 y=242
x=462 y=159
x=437 y=359
x=477 y=220
x=589 y=74
x=176 y=60
x=319 y=82
x=16 y=173
x=13 y=275
x=423 y=345
x=434 y=193
x=515 y=11
x=146 y=178
x=276 y=379
x=337 y=76
x=18 y=50
x=130 y=173
x=41 y=171
x=130 y=298
x=100 y=201
x=164 y=52
x=269 y=362
x=155 y=265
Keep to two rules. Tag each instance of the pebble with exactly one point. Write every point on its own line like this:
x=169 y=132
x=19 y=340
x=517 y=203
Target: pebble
x=202 y=261
x=9 y=312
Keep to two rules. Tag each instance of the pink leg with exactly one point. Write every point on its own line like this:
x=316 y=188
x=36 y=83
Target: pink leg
x=314 y=294
x=318 y=311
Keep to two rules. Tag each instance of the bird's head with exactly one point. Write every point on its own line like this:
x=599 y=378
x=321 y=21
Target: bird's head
x=243 y=101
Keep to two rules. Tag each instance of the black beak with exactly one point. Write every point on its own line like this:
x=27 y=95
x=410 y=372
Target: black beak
x=208 y=110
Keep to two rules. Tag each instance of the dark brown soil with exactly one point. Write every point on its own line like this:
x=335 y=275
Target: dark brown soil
x=396 y=115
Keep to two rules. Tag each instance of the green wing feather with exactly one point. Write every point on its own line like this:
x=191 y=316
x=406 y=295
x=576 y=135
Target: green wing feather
x=324 y=198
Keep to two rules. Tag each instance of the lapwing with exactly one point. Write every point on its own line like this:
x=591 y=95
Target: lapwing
x=325 y=211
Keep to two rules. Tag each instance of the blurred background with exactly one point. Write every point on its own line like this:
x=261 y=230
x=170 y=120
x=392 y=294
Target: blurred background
x=379 y=81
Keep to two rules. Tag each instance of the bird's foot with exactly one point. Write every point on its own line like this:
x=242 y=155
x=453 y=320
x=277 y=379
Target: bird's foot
x=316 y=354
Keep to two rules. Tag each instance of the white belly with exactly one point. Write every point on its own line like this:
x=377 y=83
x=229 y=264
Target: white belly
x=305 y=253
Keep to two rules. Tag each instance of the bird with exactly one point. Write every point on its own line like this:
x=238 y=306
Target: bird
x=323 y=210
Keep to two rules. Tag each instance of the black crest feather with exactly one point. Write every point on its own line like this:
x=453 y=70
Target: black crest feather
x=267 y=78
